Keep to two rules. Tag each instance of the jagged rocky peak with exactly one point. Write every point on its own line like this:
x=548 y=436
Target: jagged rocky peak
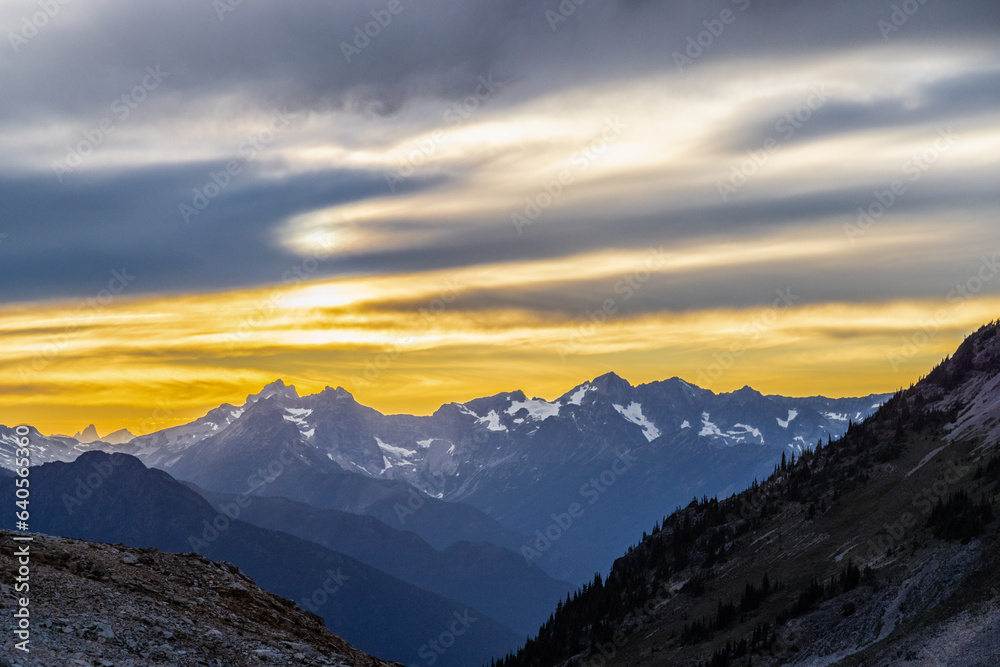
x=673 y=390
x=336 y=394
x=610 y=380
x=976 y=358
x=497 y=402
x=611 y=386
x=746 y=393
x=682 y=383
x=969 y=382
x=276 y=388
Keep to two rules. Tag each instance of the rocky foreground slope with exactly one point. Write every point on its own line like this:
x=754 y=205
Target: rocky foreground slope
x=108 y=605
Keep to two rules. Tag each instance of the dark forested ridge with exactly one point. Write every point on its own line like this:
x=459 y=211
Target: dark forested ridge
x=832 y=534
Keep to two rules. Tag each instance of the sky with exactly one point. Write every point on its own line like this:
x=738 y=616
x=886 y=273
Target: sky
x=426 y=201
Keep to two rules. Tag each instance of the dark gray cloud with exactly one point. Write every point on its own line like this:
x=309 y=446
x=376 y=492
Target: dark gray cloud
x=65 y=237
x=888 y=275
x=277 y=55
x=948 y=101
x=68 y=239
x=290 y=55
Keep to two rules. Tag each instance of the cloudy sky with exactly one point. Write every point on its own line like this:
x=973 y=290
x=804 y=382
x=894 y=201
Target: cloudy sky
x=426 y=201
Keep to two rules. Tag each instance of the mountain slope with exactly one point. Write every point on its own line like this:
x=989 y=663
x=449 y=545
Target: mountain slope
x=496 y=581
x=114 y=498
x=879 y=549
x=128 y=605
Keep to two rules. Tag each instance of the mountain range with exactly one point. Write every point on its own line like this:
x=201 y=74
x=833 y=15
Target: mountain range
x=500 y=469
x=492 y=505
x=89 y=435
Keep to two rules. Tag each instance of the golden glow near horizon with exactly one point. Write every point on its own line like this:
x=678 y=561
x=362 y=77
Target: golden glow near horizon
x=152 y=362
x=411 y=340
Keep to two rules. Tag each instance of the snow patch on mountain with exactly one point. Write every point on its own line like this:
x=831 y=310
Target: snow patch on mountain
x=221 y=420
x=633 y=413
x=708 y=428
x=755 y=432
x=836 y=416
x=685 y=424
x=295 y=419
x=297 y=416
x=464 y=409
x=492 y=421
x=792 y=414
x=577 y=397
x=537 y=408
x=394 y=450
x=425 y=444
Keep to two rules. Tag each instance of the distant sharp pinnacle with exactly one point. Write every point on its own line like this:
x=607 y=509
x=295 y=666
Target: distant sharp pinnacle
x=88 y=434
